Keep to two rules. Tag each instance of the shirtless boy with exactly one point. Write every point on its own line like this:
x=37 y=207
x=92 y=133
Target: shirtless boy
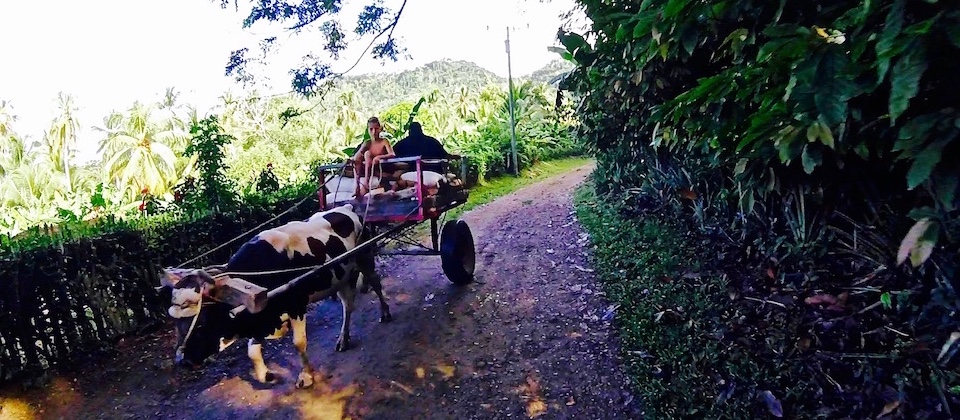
x=371 y=153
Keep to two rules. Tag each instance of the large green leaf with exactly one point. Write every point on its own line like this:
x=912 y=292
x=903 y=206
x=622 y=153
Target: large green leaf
x=922 y=28
x=820 y=131
x=811 y=158
x=833 y=87
x=945 y=188
x=915 y=133
x=644 y=23
x=924 y=163
x=787 y=144
x=674 y=7
x=572 y=41
x=905 y=79
x=781 y=49
x=888 y=36
x=953 y=34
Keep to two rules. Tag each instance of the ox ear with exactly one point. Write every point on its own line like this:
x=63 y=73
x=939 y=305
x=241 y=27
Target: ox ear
x=169 y=277
x=208 y=284
x=203 y=275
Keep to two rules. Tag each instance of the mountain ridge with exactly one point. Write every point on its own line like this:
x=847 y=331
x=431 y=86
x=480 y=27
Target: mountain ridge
x=376 y=91
x=544 y=73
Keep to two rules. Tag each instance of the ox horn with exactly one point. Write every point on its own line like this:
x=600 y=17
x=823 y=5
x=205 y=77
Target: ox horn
x=214 y=270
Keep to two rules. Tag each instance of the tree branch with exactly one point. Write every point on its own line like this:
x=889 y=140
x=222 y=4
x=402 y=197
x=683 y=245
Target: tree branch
x=389 y=27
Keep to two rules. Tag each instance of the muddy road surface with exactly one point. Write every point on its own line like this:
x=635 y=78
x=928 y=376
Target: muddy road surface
x=531 y=338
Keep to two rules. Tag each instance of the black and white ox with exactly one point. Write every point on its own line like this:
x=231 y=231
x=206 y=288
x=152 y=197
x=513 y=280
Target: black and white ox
x=205 y=326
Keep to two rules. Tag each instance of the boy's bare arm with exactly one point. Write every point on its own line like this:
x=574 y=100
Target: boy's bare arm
x=389 y=150
x=363 y=148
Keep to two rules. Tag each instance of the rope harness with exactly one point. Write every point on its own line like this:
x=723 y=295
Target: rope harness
x=273 y=219
x=193 y=324
x=200 y=303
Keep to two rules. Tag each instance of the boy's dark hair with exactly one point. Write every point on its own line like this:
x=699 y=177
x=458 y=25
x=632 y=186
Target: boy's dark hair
x=373 y=120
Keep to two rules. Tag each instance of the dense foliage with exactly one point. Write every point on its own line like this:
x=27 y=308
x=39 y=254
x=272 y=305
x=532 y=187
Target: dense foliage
x=375 y=23
x=151 y=160
x=174 y=186
x=60 y=303
x=820 y=138
x=212 y=188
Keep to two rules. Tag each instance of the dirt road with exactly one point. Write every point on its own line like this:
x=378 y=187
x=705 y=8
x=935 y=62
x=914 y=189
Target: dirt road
x=531 y=338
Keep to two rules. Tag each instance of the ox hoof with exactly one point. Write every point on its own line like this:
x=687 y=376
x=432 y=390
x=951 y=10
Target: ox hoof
x=386 y=317
x=268 y=378
x=305 y=380
x=343 y=345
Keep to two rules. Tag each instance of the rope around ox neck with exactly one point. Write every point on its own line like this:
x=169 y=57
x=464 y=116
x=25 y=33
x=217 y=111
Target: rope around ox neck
x=193 y=324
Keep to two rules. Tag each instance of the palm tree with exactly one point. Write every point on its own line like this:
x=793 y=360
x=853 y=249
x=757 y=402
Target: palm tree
x=30 y=188
x=62 y=138
x=465 y=104
x=12 y=148
x=347 y=117
x=491 y=99
x=171 y=116
x=12 y=153
x=138 y=153
x=7 y=118
x=441 y=116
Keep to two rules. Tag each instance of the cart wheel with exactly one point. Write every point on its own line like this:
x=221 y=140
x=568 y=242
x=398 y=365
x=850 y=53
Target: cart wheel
x=457 y=254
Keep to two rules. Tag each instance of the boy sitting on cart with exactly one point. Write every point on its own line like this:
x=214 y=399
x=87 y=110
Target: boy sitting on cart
x=370 y=154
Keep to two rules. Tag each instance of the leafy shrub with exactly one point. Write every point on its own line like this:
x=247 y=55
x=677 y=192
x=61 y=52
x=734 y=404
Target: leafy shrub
x=774 y=97
x=110 y=268
x=215 y=189
x=267 y=182
x=821 y=140
x=704 y=338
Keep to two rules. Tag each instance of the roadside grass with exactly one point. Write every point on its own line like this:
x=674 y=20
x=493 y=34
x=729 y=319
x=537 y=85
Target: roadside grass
x=673 y=318
x=502 y=185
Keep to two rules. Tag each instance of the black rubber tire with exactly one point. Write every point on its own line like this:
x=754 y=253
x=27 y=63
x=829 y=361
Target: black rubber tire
x=458 y=256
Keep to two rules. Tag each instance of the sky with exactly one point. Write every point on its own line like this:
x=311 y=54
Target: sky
x=110 y=53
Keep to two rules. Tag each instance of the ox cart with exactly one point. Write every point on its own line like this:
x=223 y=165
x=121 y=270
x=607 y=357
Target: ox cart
x=349 y=229
x=409 y=193
x=403 y=193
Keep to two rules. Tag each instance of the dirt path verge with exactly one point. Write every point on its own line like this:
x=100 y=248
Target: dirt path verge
x=531 y=338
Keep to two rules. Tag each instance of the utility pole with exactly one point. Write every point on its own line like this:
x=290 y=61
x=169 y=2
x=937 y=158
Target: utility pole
x=513 y=123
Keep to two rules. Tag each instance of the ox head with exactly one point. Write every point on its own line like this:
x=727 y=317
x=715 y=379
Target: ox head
x=200 y=321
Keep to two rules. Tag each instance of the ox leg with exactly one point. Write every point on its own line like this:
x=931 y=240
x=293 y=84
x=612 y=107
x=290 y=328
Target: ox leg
x=371 y=280
x=346 y=295
x=260 y=370
x=305 y=380
x=378 y=289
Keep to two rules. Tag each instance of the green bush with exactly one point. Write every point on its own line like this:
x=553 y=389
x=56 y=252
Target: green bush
x=850 y=105
x=97 y=280
x=819 y=140
x=699 y=345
